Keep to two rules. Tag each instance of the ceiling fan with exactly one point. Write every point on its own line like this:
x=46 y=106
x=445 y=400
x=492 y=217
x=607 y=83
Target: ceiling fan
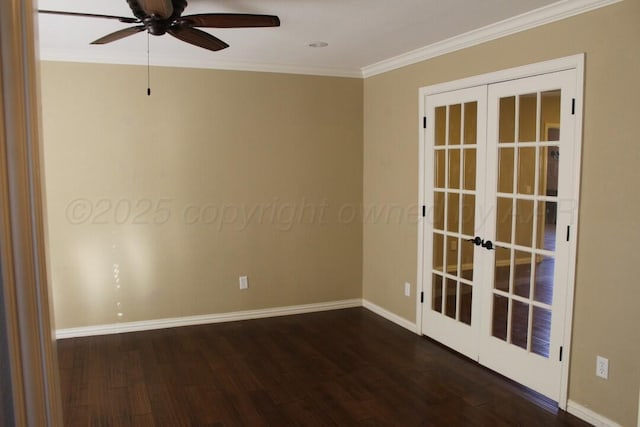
x=159 y=17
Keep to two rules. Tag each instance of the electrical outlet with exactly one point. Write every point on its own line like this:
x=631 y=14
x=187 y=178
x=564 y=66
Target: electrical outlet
x=244 y=282
x=407 y=289
x=602 y=367
x=453 y=245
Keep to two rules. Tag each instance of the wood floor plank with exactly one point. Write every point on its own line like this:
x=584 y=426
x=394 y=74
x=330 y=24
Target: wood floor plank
x=345 y=367
x=139 y=399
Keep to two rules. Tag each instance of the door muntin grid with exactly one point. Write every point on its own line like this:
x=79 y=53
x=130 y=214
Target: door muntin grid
x=454 y=196
x=526 y=215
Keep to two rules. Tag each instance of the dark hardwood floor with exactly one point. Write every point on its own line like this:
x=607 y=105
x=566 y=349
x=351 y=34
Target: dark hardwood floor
x=345 y=367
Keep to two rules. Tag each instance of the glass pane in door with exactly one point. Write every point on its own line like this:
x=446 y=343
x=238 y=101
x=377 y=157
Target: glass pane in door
x=470 y=122
x=469 y=168
x=522 y=274
x=546 y=233
x=505 y=170
x=549 y=165
x=519 y=323
x=550 y=113
x=441 y=125
x=454 y=168
x=438 y=252
x=541 y=334
x=528 y=169
x=524 y=222
x=528 y=110
x=455 y=117
x=507 y=127
x=439 y=169
x=543 y=279
x=436 y=283
x=526 y=172
x=500 y=311
x=465 y=303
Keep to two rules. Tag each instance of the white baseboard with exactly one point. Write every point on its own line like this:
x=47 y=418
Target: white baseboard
x=401 y=321
x=147 y=325
x=589 y=416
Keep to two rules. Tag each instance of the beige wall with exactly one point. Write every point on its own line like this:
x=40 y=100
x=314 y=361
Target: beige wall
x=152 y=193
x=606 y=315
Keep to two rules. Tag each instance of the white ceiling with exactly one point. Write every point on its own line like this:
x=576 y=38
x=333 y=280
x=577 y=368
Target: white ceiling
x=362 y=34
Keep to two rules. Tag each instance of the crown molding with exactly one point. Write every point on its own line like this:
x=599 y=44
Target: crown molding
x=86 y=56
x=535 y=18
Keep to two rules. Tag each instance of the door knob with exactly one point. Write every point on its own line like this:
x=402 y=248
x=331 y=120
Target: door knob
x=476 y=241
x=488 y=244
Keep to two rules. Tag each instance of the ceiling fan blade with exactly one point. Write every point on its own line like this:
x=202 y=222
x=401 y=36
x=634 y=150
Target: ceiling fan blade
x=197 y=37
x=120 y=34
x=124 y=19
x=230 y=20
x=161 y=8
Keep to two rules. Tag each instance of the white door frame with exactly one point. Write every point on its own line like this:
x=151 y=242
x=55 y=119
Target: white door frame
x=574 y=62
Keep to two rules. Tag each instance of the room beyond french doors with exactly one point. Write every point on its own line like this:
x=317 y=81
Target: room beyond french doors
x=499 y=193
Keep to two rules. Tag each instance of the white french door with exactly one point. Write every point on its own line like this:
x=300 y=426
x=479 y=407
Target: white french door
x=500 y=177
x=456 y=153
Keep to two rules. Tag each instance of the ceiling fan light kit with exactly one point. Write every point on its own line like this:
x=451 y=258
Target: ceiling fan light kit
x=159 y=17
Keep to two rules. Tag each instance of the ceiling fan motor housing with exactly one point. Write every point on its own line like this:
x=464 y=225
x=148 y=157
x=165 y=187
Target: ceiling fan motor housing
x=154 y=24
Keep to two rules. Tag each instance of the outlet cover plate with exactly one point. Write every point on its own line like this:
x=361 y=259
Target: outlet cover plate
x=602 y=367
x=244 y=282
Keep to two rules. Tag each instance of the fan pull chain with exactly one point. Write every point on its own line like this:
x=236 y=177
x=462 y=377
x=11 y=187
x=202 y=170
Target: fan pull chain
x=148 y=69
